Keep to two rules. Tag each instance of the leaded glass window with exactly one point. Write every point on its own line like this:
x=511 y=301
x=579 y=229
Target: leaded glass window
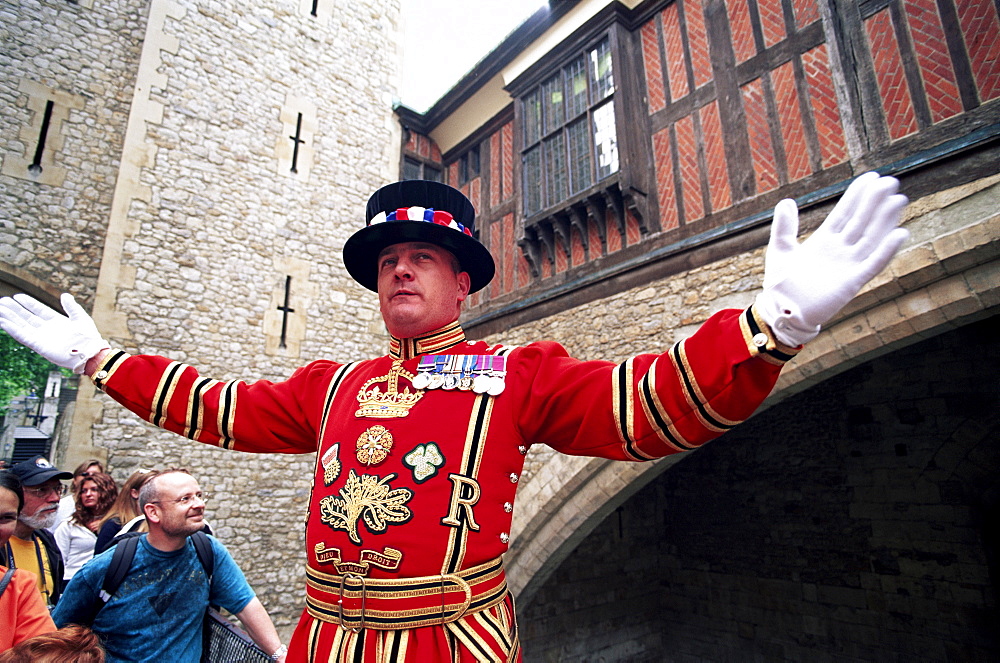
x=533 y=180
x=602 y=83
x=605 y=140
x=555 y=169
x=576 y=86
x=570 y=137
x=579 y=156
x=552 y=103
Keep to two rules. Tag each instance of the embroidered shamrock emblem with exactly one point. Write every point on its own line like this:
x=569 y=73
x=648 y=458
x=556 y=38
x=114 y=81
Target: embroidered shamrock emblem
x=424 y=461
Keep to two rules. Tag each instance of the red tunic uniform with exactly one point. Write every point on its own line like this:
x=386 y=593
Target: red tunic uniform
x=419 y=455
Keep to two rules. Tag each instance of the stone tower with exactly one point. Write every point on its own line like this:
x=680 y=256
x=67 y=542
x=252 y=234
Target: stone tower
x=190 y=170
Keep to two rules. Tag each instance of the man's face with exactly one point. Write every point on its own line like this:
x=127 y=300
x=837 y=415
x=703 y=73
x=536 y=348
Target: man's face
x=8 y=515
x=41 y=504
x=418 y=289
x=180 y=509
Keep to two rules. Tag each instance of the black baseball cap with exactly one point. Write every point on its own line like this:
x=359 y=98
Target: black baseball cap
x=38 y=470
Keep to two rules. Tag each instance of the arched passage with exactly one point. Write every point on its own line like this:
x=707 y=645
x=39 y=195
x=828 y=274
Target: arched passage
x=848 y=522
x=932 y=287
x=14 y=280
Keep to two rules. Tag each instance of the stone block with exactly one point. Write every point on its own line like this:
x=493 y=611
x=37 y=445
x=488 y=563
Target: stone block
x=984 y=281
x=920 y=310
x=856 y=337
x=917 y=266
x=889 y=323
x=954 y=298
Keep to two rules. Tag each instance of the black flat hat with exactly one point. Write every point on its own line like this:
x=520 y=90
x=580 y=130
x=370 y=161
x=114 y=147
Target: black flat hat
x=431 y=212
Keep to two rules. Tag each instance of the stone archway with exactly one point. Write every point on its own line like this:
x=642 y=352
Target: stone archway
x=847 y=522
x=14 y=280
x=23 y=436
x=932 y=287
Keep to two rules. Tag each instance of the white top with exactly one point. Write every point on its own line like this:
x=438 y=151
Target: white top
x=76 y=543
x=67 y=505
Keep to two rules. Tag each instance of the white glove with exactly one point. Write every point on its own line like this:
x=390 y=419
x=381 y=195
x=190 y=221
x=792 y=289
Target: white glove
x=65 y=340
x=806 y=284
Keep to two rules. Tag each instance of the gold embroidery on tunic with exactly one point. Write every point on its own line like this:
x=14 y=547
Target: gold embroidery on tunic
x=331 y=464
x=369 y=498
x=374 y=445
x=391 y=403
x=388 y=559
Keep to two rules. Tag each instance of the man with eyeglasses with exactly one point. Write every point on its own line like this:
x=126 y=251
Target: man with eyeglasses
x=156 y=613
x=33 y=547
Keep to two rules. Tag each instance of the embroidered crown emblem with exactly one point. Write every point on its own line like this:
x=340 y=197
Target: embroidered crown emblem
x=390 y=403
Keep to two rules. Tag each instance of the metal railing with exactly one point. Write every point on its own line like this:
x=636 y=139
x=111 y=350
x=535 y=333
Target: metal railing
x=224 y=643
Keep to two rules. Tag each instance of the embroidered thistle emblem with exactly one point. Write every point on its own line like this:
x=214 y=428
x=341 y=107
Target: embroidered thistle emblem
x=424 y=461
x=331 y=464
x=374 y=445
x=368 y=498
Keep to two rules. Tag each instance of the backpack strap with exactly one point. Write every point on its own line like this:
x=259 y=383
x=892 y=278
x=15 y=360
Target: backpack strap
x=121 y=562
x=130 y=526
x=6 y=580
x=206 y=555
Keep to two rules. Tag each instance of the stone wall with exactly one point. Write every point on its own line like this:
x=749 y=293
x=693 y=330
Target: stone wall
x=83 y=60
x=226 y=221
x=178 y=208
x=854 y=521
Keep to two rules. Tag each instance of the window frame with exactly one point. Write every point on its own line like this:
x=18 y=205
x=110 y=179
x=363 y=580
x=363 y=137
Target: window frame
x=539 y=129
x=469 y=165
x=424 y=167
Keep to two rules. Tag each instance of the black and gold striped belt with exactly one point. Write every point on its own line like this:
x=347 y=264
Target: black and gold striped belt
x=356 y=602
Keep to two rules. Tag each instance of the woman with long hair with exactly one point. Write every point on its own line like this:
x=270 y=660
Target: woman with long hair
x=23 y=613
x=77 y=535
x=67 y=505
x=124 y=515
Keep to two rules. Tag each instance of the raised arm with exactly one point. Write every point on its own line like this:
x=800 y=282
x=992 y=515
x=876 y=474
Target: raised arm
x=279 y=418
x=652 y=405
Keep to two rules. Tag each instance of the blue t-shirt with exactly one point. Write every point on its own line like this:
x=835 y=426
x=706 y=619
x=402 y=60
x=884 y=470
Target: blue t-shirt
x=157 y=612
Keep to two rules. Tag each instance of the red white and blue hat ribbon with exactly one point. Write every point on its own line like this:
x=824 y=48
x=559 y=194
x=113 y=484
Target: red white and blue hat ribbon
x=427 y=214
